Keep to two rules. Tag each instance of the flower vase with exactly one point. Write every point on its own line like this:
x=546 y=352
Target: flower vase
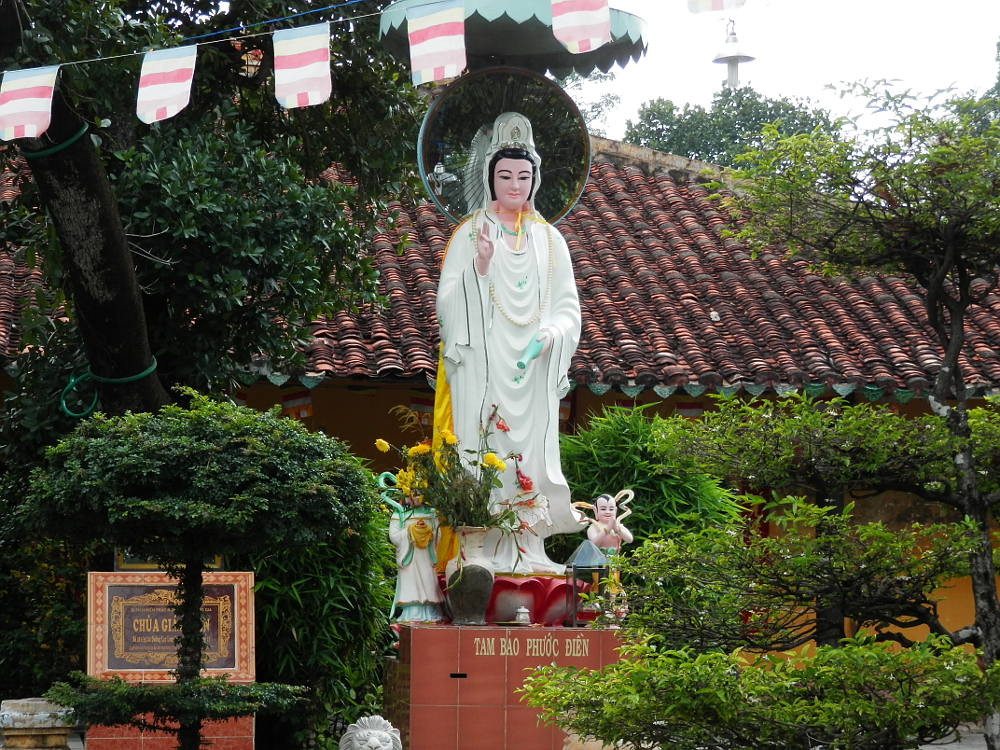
x=469 y=577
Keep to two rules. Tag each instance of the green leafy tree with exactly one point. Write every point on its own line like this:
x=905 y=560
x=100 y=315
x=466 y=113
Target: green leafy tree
x=761 y=589
x=920 y=196
x=857 y=697
x=213 y=226
x=708 y=609
x=595 y=111
x=832 y=450
x=181 y=484
x=825 y=448
x=730 y=126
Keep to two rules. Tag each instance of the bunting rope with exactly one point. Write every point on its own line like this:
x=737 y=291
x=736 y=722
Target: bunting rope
x=301 y=74
x=302 y=78
x=184 y=42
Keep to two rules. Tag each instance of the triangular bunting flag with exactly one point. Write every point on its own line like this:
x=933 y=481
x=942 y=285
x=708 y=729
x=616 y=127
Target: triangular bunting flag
x=703 y=6
x=422 y=405
x=302 y=65
x=689 y=408
x=437 y=40
x=297 y=403
x=26 y=102
x=581 y=25
x=165 y=83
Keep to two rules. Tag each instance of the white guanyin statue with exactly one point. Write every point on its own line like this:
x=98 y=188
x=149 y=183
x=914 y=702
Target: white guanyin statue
x=509 y=316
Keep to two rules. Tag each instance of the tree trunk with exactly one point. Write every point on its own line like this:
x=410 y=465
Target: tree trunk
x=984 y=589
x=830 y=618
x=191 y=646
x=971 y=500
x=75 y=190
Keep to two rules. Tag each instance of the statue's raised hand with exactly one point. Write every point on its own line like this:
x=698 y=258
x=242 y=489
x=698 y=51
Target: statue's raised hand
x=484 y=251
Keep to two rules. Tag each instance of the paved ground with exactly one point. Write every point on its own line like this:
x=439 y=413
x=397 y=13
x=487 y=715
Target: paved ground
x=971 y=740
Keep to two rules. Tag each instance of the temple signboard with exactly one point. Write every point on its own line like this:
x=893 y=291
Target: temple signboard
x=132 y=625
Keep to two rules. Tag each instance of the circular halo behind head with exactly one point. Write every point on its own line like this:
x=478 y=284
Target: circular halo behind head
x=474 y=116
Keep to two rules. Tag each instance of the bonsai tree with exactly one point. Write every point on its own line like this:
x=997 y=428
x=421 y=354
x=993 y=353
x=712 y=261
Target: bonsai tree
x=766 y=588
x=857 y=697
x=181 y=484
x=708 y=612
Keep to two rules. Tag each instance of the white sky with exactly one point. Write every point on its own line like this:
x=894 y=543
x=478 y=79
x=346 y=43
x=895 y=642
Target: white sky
x=802 y=45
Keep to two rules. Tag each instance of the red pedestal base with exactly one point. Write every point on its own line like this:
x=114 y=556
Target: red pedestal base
x=236 y=734
x=548 y=599
x=454 y=688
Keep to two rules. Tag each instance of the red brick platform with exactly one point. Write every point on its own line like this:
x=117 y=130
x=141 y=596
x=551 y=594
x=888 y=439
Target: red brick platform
x=223 y=735
x=454 y=688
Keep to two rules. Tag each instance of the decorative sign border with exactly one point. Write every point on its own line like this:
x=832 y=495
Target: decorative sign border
x=229 y=610
x=130 y=562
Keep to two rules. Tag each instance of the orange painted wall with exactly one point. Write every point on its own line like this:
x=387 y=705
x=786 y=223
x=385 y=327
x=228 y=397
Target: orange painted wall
x=358 y=412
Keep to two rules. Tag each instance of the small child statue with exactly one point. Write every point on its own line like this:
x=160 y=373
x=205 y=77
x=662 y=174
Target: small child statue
x=606 y=530
x=413 y=531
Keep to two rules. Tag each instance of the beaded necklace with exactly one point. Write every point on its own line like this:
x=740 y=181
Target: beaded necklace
x=548 y=284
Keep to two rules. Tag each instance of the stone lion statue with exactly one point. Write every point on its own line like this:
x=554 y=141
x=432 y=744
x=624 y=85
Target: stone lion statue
x=371 y=733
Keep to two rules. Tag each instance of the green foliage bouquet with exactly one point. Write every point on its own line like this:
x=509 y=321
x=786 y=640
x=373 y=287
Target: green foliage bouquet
x=457 y=482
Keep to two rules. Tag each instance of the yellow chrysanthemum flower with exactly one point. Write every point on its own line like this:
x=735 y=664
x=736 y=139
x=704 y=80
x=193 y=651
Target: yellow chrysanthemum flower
x=492 y=461
x=382 y=445
x=449 y=437
x=418 y=450
x=404 y=480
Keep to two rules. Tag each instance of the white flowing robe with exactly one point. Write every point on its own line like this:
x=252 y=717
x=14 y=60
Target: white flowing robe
x=486 y=324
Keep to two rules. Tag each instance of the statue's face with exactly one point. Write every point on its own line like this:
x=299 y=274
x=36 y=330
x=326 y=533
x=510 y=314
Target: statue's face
x=512 y=184
x=606 y=510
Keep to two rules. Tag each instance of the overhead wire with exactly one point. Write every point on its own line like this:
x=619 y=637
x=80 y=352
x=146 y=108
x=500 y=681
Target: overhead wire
x=241 y=37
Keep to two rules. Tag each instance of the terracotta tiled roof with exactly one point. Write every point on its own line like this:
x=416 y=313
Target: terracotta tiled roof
x=17 y=285
x=10 y=182
x=669 y=302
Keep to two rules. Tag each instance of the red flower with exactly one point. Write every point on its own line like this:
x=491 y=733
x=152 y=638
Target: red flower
x=525 y=481
x=501 y=425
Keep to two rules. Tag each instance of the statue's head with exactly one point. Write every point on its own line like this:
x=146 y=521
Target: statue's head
x=512 y=178
x=371 y=733
x=511 y=140
x=605 y=508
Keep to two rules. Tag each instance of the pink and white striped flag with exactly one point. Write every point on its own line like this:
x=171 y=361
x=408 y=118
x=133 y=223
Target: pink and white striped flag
x=437 y=40
x=297 y=403
x=302 y=65
x=581 y=25
x=703 y=6
x=165 y=83
x=26 y=102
